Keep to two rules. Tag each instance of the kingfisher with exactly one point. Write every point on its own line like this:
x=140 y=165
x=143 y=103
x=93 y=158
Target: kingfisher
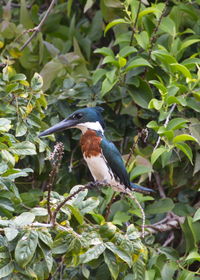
x=102 y=157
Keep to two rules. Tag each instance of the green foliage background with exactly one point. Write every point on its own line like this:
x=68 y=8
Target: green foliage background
x=139 y=60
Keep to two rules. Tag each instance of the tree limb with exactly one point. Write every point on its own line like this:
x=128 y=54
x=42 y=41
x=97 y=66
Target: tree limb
x=36 y=29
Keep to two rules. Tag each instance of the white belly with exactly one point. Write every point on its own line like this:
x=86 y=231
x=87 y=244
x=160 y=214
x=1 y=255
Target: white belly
x=100 y=171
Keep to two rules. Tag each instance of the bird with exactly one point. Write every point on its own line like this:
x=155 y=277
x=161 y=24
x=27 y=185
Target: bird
x=101 y=155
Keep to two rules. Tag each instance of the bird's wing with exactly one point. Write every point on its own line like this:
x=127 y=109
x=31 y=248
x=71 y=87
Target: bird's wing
x=115 y=162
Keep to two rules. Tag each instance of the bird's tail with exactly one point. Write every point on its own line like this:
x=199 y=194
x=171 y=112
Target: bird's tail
x=141 y=189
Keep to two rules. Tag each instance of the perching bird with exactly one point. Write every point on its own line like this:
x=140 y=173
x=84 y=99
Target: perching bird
x=102 y=157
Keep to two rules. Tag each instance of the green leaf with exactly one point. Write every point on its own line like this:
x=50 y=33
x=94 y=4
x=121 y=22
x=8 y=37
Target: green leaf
x=189 y=234
x=139 y=170
x=127 y=50
x=194 y=255
x=137 y=62
x=26 y=218
x=196 y=215
x=98 y=74
x=186 y=150
x=23 y=148
x=168 y=26
x=177 y=123
x=10 y=233
x=105 y=51
x=188 y=43
x=45 y=236
x=88 y=205
x=37 y=82
x=157 y=153
x=112 y=264
x=141 y=95
x=181 y=68
x=155 y=104
x=6 y=270
x=6 y=155
x=119 y=253
x=120 y=218
x=77 y=214
x=26 y=247
x=163 y=205
x=21 y=129
x=5 y=125
x=184 y=137
x=92 y=254
x=107 y=85
x=142 y=39
x=113 y=23
x=25 y=18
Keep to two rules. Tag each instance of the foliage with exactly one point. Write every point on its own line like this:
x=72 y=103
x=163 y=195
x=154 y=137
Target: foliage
x=140 y=62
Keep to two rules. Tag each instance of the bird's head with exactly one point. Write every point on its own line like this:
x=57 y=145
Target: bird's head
x=83 y=119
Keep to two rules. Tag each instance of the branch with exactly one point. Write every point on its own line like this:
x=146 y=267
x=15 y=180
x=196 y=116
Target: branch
x=154 y=34
x=165 y=124
x=59 y=206
x=136 y=19
x=56 y=157
x=36 y=29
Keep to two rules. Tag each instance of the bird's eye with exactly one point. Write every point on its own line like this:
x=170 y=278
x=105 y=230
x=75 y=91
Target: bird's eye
x=77 y=116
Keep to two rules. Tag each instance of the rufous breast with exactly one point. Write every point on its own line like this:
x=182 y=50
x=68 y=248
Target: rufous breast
x=90 y=144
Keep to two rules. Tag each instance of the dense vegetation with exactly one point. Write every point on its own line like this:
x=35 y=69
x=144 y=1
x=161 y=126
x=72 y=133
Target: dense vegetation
x=139 y=60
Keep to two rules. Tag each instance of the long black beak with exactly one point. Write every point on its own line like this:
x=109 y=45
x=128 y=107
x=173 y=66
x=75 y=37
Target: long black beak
x=65 y=124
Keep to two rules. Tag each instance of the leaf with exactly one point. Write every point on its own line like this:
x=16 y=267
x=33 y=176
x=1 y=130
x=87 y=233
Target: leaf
x=88 y=205
x=188 y=43
x=157 y=153
x=39 y=211
x=105 y=51
x=181 y=68
x=77 y=214
x=137 y=62
x=112 y=264
x=26 y=218
x=139 y=170
x=113 y=23
x=92 y=253
x=163 y=205
x=21 y=129
x=107 y=85
x=186 y=150
x=10 y=233
x=177 y=123
x=194 y=255
x=120 y=218
x=189 y=234
x=141 y=95
x=23 y=148
x=37 y=82
x=127 y=50
x=5 y=125
x=184 y=137
x=26 y=247
x=6 y=270
x=155 y=104
x=45 y=236
x=119 y=253
x=25 y=18
x=196 y=215
x=6 y=155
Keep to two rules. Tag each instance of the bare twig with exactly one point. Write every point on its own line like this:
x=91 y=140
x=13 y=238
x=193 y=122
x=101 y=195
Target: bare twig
x=37 y=29
x=141 y=210
x=165 y=124
x=136 y=19
x=88 y=186
x=56 y=158
x=160 y=187
x=154 y=34
x=139 y=135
